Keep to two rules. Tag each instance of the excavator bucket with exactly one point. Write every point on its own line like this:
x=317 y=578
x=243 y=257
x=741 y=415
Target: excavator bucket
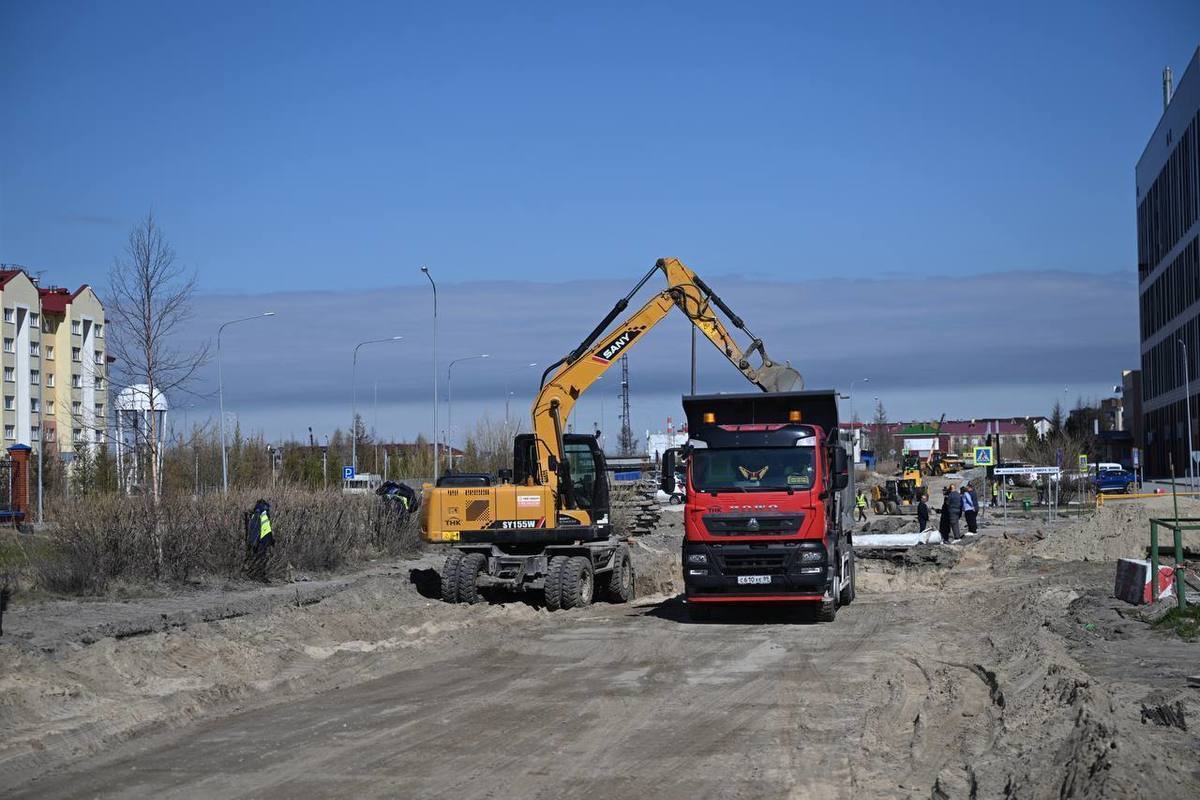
x=779 y=378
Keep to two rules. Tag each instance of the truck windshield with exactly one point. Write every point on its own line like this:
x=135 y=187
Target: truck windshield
x=752 y=469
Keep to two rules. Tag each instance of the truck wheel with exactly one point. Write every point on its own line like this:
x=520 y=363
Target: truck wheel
x=620 y=582
x=578 y=584
x=450 y=577
x=846 y=597
x=553 y=583
x=879 y=508
x=892 y=508
x=468 y=577
x=828 y=610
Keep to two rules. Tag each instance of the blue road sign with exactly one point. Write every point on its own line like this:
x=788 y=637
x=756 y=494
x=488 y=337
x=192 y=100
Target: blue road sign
x=347 y=473
x=983 y=457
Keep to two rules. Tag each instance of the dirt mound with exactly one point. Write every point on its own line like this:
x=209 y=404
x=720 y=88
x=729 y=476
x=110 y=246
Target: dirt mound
x=1120 y=529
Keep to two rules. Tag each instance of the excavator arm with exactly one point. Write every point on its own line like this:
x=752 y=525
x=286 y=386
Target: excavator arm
x=567 y=379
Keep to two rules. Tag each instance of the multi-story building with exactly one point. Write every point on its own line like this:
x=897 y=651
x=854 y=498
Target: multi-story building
x=74 y=362
x=1168 y=227
x=53 y=361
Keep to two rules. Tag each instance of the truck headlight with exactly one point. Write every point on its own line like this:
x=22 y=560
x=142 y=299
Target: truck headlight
x=697 y=558
x=811 y=555
x=697 y=572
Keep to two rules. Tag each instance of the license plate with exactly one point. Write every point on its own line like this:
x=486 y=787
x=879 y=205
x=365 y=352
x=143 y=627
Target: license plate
x=449 y=536
x=754 y=579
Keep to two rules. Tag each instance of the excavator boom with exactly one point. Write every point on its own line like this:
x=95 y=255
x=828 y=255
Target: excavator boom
x=567 y=379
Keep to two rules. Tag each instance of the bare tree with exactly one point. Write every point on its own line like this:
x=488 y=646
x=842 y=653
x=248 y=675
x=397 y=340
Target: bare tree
x=149 y=299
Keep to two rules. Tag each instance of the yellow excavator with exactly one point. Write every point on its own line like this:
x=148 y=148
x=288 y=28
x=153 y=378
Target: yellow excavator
x=544 y=525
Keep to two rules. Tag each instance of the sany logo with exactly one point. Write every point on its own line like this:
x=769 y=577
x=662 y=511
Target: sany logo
x=613 y=348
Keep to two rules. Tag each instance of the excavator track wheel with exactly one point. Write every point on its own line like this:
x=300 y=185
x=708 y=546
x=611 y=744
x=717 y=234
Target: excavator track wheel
x=450 y=577
x=553 y=588
x=620 y=581
x=469 y=568
x=578 y=582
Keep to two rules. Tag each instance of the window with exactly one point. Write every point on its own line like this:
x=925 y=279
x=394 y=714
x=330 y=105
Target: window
x=49 y=406
x=100 y=410
x=98 y=357
x=35 y=349
x=77 y=434
x=75 y=353
x=35 y=433
x=9 y=315
x=50 y=352
x=47 y=326
x=50 y=380
x=10 y=402
x=99 y=436
x=34 y=317
x=99 y=382
x=76 y=382
x=10 y=374
x=10 y=345
x=10 y=431
x=75 y=328
x=99 y=331
x=76 y=407
x=34 y=405
x=35 y=376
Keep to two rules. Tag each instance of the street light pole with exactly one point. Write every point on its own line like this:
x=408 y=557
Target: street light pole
x=354 y=398
x=429 y=275
x=1187 y=393
x=507 y=377
x=851 y=394
x=450 y=408
x=221 y=396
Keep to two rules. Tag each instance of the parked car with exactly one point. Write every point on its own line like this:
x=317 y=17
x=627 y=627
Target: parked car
x=1113 y=480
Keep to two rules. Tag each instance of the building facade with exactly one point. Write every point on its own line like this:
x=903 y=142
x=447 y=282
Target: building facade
x=53 y=360
x=1168 y=224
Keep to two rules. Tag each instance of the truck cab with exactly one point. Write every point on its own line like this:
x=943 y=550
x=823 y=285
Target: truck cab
x=768 y=495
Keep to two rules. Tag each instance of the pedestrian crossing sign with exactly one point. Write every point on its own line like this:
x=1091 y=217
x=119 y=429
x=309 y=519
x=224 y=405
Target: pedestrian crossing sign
x=983 y=457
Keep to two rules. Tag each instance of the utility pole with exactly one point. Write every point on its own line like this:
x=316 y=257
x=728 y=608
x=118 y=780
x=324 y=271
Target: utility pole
x=429 y=275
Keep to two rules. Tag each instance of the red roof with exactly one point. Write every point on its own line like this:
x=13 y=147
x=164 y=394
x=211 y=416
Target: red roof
x=7 y=275
x=55 y=300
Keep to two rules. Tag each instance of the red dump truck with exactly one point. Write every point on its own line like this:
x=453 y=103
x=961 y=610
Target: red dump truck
x=769 y=501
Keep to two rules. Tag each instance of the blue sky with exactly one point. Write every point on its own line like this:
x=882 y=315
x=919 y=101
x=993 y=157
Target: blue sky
x=301 y=147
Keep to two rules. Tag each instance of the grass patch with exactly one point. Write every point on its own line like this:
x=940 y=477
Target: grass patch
x=19 y=550
x=1185 y=624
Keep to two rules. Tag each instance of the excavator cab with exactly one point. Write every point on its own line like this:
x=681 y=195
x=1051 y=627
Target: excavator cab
x=583 y=472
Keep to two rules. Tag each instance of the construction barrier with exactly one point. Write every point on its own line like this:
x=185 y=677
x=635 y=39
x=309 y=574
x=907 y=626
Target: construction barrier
x=1177 y=525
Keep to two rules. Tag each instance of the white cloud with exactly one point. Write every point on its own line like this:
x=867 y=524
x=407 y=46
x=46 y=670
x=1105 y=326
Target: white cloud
x=1002 y=344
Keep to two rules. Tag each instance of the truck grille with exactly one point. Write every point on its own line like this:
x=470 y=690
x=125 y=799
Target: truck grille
x=753 y=524
x=754 y=563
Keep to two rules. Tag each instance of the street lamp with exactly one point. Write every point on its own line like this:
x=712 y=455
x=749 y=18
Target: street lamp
x=851 y=394
x=221 y=395
x=507 y=377
x=1187 y=393
x=450 y=408
x=354 y=398
x=429 y=275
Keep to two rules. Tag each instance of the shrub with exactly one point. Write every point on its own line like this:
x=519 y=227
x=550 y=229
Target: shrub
x=98 y=539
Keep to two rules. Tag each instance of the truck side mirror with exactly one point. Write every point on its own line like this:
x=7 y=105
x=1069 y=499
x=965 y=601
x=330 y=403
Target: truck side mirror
x=841 y=468
x=666 y=475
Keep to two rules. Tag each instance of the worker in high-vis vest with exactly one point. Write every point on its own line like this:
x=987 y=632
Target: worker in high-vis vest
x=860 y=505
x=259 y=540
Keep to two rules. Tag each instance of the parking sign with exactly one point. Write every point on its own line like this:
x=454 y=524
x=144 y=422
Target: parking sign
x=984 y=457
x=347 y=473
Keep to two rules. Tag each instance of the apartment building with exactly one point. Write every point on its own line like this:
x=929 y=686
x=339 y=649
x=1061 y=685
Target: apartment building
x=54 y=364
x=74 y=360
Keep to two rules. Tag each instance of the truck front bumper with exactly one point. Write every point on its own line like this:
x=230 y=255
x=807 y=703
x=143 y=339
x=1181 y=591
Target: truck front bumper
x=797 y=570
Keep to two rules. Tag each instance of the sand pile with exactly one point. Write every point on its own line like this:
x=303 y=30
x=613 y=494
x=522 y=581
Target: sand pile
x=1121 y=529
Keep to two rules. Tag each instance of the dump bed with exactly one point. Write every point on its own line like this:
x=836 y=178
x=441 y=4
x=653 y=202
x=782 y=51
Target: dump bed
x=816 y=408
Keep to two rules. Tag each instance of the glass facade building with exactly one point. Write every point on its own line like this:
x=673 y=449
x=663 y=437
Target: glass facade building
x=1168 y=247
